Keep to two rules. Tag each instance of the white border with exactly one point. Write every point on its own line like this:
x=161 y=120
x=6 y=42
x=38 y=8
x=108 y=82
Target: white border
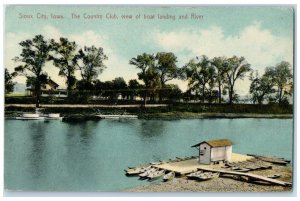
x=229 y=196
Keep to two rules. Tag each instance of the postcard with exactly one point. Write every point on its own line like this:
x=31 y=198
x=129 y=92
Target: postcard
x=149 y=98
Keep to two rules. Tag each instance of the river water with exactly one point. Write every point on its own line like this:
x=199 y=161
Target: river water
x=91 y=156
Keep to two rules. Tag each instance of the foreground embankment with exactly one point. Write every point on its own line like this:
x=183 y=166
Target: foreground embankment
x=222 y=184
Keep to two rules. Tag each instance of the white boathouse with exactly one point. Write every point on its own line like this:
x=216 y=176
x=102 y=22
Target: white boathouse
x=214 y=151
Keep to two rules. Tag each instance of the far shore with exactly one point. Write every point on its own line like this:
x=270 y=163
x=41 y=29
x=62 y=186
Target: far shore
x=88 y=111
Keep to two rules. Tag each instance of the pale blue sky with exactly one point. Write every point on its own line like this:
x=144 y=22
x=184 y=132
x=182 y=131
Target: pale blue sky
x=263 y=35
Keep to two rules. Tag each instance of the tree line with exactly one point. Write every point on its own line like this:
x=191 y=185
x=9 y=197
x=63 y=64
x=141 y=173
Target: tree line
x=209 y=80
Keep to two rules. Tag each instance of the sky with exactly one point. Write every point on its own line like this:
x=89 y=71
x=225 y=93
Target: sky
x=261 y=34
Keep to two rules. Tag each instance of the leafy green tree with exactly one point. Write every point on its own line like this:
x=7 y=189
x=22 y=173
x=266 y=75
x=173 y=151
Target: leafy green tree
x=35 y=53
x=65 y=59
x=9 y=84
x=119 y=86
x=237 y=67
x=281 y=76
x=91 y=62
x=146 y=64
x=220 y=66
x=200 y=73
x=260 y=88
x=166 y=67
x=172 y=92
x=133 y=87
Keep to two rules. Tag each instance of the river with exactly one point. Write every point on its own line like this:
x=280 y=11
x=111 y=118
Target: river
x=91 y=156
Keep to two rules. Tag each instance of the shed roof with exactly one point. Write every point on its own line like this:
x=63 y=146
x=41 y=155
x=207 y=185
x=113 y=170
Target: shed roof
x=216 y=143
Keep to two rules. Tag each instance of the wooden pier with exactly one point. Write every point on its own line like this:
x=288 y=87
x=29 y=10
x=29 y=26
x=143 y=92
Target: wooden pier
x=239 y=167
x=249 y=175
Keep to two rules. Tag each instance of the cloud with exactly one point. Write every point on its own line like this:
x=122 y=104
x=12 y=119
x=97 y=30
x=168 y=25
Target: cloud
x=259 y=46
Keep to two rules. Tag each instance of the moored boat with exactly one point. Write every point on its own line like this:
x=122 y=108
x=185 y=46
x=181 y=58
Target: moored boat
x=53 y=116
x=194 y=175
x=207 y=176
x=156 y=174
x=138 y=170
x=30 y=116
x=146 y=173
x=169 y=176
x=113 y=116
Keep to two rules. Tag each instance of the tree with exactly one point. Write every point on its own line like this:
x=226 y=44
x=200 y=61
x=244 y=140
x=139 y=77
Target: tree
x=166 y=67
x=134 y=87
x=281 y=77
x=148 y=75
x=236 y=69
x=172 y=92
x=35 y=53
x=199 y=72
x=220 y=65
x=65 y=59
x=260 y=88
x=9 y=84
x=91 y=65
x=119 y=86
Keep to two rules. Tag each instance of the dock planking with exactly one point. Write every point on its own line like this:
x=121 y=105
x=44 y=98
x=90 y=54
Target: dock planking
x=250 y=175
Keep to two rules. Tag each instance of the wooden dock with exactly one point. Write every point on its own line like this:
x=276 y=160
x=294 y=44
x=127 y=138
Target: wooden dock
x=239 y=167
x=249 y=175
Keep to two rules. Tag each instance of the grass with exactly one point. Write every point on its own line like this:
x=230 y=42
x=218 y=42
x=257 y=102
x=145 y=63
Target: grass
x=173 y=109
x=15 y=95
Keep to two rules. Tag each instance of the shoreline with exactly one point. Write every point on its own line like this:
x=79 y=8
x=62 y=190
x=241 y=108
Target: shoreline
x=160 y=116
x=221 y=184
x=154 y=111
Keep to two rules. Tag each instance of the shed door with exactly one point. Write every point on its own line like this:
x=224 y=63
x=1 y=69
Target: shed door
x=204 y=153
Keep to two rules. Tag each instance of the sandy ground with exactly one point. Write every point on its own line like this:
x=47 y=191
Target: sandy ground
x=188 y=166
x=222 y=184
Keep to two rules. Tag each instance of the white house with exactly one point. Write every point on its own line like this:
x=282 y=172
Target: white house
x=49 y=89
x=214 y=151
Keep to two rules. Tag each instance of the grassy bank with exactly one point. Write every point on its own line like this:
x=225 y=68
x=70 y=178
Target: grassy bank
x=172 y=111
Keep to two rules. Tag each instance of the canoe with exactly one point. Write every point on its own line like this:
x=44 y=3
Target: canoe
x=194 y=175
x=146 y=173
x=137 y=171
x=156 y=174
x=275 y=176
x=169 y=176
x=207 y=176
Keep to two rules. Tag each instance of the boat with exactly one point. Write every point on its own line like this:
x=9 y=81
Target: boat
x=146 y=173
x=30 y=116
x=117 y=116
x=169 y=176
x=53 y=116
x=138 y=170
x=156 y=174
x=194 y=175
x=275 y=176
x=207 y=176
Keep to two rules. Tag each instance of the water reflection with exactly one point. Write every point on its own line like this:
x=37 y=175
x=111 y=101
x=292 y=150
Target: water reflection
x=36 y=156
x=79 y=142
x=84 y=130
x=151 y=128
